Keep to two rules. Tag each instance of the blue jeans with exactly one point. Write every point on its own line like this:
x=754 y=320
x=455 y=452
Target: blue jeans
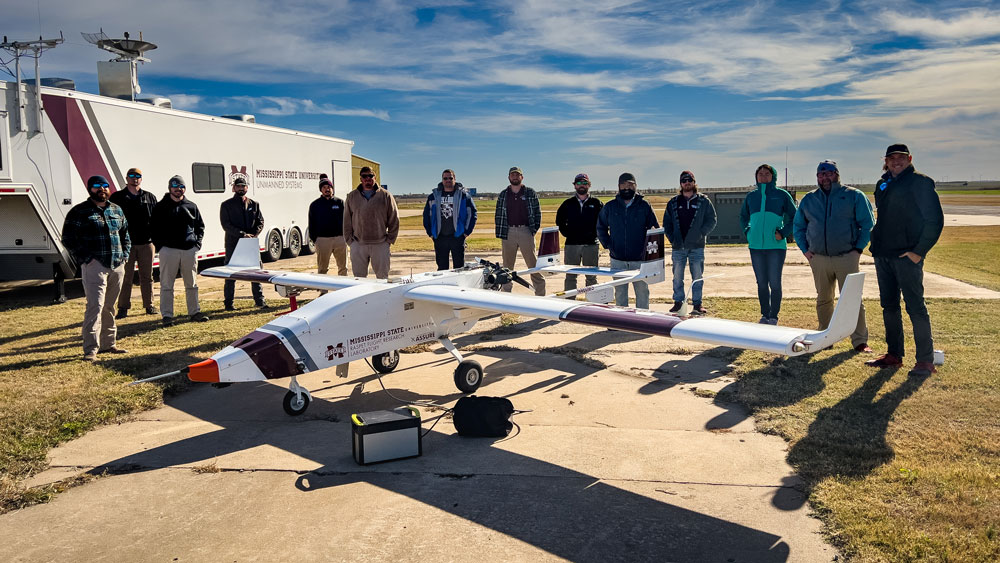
x=640 y=287
x=767 y=265
x=695 y=257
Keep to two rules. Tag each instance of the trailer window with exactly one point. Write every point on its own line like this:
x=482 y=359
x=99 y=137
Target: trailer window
x=210 y=178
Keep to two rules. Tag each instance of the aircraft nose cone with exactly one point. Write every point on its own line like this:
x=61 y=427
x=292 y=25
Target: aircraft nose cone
x=207 y=372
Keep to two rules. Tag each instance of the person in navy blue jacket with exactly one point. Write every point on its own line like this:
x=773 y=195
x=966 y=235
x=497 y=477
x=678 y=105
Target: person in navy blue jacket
x=449 y=217
x=621 y=228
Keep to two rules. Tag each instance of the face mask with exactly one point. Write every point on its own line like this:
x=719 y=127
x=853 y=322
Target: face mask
x=626 y=194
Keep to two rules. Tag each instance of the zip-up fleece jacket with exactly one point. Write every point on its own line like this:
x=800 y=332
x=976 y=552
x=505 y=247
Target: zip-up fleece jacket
x=371 y=221
x=238 y=220
x=578 y=223
x=834 y=223
x=767 y=210
x=177 y=224
x=464 y=213
x=139 y=212
x=534 y=211
x=622 y=230
x=702 y=224
x=910 y=218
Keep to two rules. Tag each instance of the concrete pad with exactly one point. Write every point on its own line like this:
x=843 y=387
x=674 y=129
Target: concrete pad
x=616 y=459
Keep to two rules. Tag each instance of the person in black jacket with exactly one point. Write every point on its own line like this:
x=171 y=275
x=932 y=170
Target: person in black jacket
x=177 y=232
x=687 y=221
x=621 y=228
x=909 y=222
x=577 y=221
x=241 y=218
x=326 y=228
x=137 y=204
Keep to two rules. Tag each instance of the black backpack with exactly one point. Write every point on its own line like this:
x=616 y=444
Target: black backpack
x=483 y=416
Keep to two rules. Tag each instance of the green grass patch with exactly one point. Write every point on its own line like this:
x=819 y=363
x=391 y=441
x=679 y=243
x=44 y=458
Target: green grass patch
x=970 y=254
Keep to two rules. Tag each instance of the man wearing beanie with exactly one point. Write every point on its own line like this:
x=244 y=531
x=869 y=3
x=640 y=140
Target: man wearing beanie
x=137 y=204
x=178 y=230
x=832 y=228
x=621 y=228
x=326 y=228
x=577 y=221
x=96 y=234
x=687 y=221
x=909 y=223
x=518 y=217
x=241 y=218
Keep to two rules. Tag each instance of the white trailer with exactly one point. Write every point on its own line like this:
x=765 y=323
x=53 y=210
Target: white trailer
x=47 y=152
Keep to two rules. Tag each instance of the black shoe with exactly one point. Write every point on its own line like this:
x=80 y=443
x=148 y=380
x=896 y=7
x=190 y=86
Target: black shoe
x=677 y=306
x=168 y=321
x=58 y=300
x=229 y=307
x=697 y=309
x=199 y=317
x=122 y=313
x=261 y=304
x=151 y=310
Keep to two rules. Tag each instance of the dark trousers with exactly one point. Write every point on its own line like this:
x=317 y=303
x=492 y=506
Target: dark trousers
x=445 y=246
x=901 y=276
x=767 y=266
x=229 y=288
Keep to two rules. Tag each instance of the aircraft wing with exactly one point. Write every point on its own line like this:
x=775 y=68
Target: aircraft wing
x=245 y=266
x=787 y=341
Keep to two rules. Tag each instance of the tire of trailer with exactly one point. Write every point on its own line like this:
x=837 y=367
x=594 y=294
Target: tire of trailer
x=273 y=246
x=308 y=245
x=294 y=243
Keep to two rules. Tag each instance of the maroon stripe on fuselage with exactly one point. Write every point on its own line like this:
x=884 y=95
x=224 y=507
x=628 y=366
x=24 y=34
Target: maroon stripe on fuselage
x=68 y=120
x=252 y=276
x=269 y=354
x=624 y=319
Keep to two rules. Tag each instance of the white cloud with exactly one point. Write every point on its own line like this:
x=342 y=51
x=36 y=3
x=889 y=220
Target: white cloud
x=967 y=25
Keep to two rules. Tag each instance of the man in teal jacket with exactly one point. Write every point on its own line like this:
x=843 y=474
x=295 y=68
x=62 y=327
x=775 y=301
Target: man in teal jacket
x=832 y=228
x=766 y=218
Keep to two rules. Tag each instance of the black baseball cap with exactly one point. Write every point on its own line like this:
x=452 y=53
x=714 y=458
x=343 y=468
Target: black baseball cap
x=898 y=148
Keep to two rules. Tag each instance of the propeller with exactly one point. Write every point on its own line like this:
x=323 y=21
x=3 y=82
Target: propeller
x=496 y=276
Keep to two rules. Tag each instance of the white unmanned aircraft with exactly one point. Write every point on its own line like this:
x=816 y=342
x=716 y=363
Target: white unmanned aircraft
x=375 y=318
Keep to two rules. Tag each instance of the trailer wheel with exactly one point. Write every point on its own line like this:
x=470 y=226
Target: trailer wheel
x=272 y=250
x=294 y=244
x=308 y=245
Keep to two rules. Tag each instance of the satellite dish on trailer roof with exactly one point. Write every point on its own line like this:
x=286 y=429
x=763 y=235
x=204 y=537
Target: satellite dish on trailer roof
x=126 y=48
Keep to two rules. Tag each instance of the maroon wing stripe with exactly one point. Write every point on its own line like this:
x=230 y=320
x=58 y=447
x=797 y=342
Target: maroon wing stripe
x=623 y=319
x=68 y=120
x=269 y=354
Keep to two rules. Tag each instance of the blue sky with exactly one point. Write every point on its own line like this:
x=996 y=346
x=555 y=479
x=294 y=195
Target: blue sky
x=596 y=86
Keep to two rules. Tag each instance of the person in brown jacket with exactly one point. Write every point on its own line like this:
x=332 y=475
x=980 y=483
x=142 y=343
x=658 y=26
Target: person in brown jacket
x=371 y=224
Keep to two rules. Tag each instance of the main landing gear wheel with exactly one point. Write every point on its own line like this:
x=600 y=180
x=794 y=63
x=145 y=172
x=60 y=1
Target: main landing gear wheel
x=295 y=403
x=468 y=376
x=385 y=363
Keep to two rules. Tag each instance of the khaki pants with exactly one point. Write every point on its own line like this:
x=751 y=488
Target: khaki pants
x=143 y=255
x=331 y=245
x=102 y=286
x=576 y=255
x=173 y=260
x=829 y=271
x=376 y=254
x=520 y=238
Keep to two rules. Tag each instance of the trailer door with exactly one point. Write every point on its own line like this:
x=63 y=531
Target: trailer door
x=342 y=178
x=5 y=165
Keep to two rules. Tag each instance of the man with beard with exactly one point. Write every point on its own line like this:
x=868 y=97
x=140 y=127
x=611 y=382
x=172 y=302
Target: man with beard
x=621 y=228
x=326 y=228
x=371 y=225
x=518 y=217
x=178 y=230
x=832 y=228
x=137 y=204
x=687 y=221
x=449 y=217
x=96 y=234
x=241 y=218
x=577 y=221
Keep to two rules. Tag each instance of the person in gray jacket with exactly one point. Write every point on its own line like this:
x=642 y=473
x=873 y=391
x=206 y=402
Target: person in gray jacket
x=832 y=228
x=687 y=221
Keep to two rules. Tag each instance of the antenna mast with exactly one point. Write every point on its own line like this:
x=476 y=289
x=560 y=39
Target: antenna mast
x=129 y=51
x=19 y=48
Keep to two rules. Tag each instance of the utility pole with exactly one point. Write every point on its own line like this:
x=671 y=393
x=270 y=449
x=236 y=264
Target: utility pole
x=19 y=48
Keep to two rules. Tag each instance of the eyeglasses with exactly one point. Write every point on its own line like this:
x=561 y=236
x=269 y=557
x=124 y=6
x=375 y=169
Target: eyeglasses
x=178 y=186
x=446 y=178
x=367 y=175
x=95 y=186
x=135 y=175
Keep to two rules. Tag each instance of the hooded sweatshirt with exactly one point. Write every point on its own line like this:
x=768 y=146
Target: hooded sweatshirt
x=767 y=210
x=177 y=224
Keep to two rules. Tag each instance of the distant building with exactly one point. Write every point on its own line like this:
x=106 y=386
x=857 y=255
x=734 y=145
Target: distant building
x=358 y=162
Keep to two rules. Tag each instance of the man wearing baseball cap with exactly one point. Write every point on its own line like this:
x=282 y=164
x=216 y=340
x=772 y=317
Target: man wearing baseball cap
x=687 y=222
x=577 y=221
x=621 y=228
x=832 y=227
x=910 y=220
x=96 y=234
x=137 y=204
x=241 y=218
x=518 y=217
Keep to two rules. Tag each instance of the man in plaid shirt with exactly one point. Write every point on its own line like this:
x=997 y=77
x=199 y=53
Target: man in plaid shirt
x=518 y=217
x=96 y=234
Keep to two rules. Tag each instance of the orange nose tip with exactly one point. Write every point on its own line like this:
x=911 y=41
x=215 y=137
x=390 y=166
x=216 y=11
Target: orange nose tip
x=207 y=372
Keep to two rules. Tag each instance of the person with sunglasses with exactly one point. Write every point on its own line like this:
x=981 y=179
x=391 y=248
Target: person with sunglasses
x=449 y=217
x=577 y=221
x=178 y=230
x=687 y=222
x=96 y=234
x=241 y=218
x=371 y=225
x=137 y=204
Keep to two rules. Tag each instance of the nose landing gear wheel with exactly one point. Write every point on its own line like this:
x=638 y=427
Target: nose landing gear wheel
x=295 y=403
x=468 y=376
x=385 y=363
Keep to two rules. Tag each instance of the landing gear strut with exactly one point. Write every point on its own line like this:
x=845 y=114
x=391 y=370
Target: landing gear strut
x=297 y=399
x=468 y=374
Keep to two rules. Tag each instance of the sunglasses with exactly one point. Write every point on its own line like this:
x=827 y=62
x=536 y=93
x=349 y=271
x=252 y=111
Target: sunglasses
x=135 y=175
x=95 y=186
x=582 y=183
x=687 y=181
x=178 y=186
x=367 y=175
x=446 y=178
